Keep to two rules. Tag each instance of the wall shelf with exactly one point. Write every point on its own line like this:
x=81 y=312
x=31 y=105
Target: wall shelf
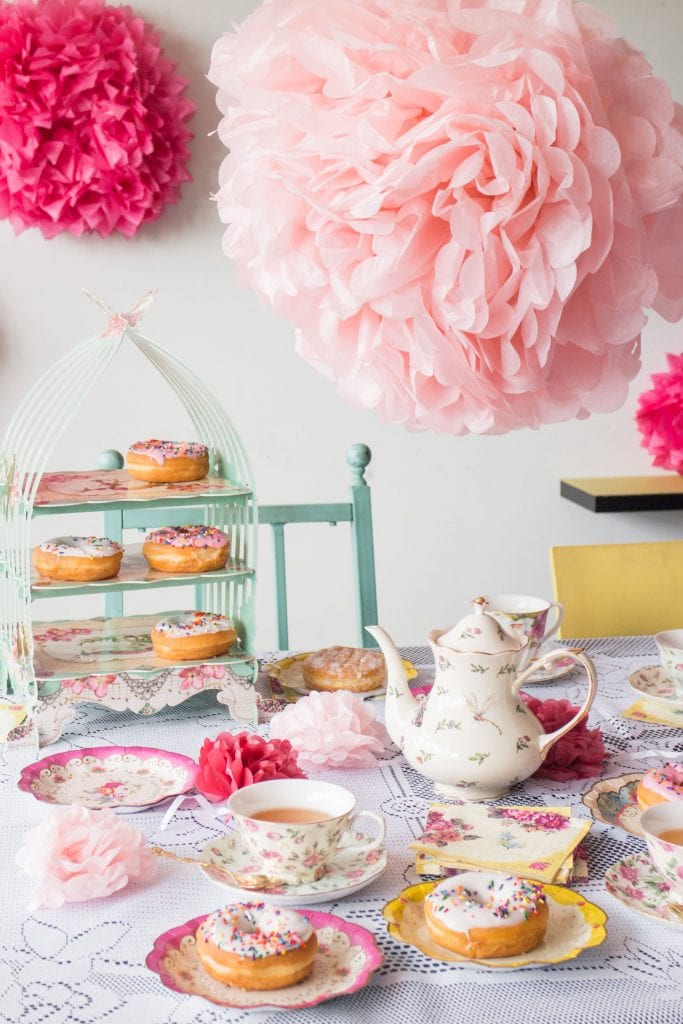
x=625 y=493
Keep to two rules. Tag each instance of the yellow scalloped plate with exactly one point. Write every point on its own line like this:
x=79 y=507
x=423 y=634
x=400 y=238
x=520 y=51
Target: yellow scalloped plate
x=289 y=674
x=574 y=924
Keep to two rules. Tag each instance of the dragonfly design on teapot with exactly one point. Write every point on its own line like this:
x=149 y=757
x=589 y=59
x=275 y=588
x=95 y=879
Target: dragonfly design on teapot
x=473 y=735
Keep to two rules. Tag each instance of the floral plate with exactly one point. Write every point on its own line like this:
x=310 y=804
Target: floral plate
x=114 y=777
x=346 y=958
x=574 y=924
x=346 y=874
x=654 y=685
x=613 y=801
x=557 y=670
x=288 y=672
x=636 y=882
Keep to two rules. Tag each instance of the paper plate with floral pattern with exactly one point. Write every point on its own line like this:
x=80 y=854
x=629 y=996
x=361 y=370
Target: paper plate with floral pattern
x=613 y=801
x=346 y=958
x=289 y=678
x=574 y=924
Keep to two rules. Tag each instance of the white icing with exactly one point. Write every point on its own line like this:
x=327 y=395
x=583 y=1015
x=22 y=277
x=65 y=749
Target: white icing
x=483 y=899
x=81 y=547
x=255 y=930
x=193 y=624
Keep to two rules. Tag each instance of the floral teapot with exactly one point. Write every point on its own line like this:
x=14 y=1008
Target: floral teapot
x=473 y=735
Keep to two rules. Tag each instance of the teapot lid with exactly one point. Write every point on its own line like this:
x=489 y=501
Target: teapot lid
x=480 y=633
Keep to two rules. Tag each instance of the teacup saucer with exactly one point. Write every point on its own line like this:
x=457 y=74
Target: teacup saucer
x=347 y=874
x=654 y=684
x=558 y=669
x=636 y=882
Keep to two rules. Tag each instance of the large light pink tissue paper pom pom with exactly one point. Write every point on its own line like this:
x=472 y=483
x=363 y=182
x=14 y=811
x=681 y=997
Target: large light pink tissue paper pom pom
x=82 y=854
x=331 y=730
x=660 y=417
x=463 y=206
x=93 y=134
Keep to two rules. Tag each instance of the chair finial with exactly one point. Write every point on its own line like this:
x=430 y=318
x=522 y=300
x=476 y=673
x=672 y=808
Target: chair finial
x=109 y=459
x=358 y=457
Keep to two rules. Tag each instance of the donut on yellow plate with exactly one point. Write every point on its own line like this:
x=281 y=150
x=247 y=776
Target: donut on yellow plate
x=78 y=559
x=483 y=914
x=191 y=636
x=186 y=548
x=660 y=785
x=345 y=668
x=255 y=946
x=165 y=462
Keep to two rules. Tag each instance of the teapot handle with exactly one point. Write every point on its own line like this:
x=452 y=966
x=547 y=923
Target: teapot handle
x=546 y=742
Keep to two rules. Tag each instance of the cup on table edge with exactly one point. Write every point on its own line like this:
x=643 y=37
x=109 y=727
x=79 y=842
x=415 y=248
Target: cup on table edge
x=670 y=646
x=666 y=856
x=296 y=851
x=527 y=616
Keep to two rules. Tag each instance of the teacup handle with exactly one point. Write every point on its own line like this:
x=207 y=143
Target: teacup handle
x=552 y=630
x=546 y=742
x=371 y=844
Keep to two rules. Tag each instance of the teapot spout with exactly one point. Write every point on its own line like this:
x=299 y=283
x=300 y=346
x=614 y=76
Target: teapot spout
x=400 y=705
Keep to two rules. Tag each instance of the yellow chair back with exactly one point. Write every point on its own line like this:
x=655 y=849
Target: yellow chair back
x=619 y=589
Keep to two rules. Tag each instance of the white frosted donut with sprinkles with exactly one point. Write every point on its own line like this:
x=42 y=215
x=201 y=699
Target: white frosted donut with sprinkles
x=192 y=636
x=186 y=549
x=256 y=946
x=484 y=915
x=78 y=559
x=160 y=462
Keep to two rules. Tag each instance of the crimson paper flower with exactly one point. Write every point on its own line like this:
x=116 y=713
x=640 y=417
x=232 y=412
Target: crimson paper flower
x=660 y=416
x=576 y=755
x=232 y=761
x=92 y=119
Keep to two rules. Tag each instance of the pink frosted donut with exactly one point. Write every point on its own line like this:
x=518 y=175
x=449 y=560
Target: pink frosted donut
x=660 y=785
x=167 y=461
x=186 y=548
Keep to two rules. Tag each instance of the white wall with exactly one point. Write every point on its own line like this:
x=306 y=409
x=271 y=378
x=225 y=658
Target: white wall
x=453 y=516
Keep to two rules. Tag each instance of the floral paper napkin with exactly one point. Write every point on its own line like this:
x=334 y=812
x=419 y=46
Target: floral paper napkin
x=536 y=843
x=656 y=714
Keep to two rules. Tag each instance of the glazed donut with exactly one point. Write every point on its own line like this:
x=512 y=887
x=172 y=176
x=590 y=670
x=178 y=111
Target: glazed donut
x=192 y=636
x=483 y=915
x=256 y=946
x=167 y=462
x=660 y=785
x=345 y=668
x=78 y=559
x=186 y=548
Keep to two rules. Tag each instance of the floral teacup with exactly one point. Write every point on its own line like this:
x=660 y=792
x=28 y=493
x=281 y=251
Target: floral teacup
x=670 y=644
x=292 y=849
x=526 y=616
x=662 y=827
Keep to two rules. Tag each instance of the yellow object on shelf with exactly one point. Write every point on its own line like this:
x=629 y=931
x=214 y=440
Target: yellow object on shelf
x=619 y=589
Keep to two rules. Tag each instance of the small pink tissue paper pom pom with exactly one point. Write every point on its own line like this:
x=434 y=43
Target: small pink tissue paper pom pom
x=332 y=730
x=81 y=854
x=660 y=417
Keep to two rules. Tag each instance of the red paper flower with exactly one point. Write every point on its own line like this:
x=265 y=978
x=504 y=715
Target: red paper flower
x=579 y=753
x=92 y=119
x=230 y=762
x=660 y=416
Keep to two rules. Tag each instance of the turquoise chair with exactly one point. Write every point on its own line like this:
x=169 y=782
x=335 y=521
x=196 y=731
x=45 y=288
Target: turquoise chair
x=357 y=512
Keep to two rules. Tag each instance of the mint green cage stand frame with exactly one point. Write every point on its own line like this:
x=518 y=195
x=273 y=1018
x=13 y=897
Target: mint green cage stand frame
x=35 y=430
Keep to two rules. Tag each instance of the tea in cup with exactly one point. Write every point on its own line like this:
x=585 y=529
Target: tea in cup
x=670 y=644
x=662 y=826
x=526 y=616
x=295 y=826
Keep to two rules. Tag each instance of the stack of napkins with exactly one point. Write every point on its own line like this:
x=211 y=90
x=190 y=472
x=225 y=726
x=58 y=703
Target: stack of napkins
x=656 y=714
x=536 y=842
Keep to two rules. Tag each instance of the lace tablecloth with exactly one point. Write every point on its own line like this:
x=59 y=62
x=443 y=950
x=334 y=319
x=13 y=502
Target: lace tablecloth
x=85 y=963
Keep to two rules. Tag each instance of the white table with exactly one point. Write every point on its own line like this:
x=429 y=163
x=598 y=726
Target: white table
x=85 y=963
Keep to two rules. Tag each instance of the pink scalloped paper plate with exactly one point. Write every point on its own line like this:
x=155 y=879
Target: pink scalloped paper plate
x=120 y=778
x=346 y=958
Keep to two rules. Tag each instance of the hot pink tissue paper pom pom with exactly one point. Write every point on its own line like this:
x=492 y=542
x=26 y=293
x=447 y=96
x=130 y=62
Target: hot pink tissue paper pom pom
x=332 y=730
x=660 y=416
x=92 y=119
x=82 y=854
x=462 y=206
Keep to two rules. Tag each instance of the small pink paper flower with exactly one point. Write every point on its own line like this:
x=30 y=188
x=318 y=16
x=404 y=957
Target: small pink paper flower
x=230 y=762
x=81 y=854
x=578 y=754
x=332 y=730
x=660 y=416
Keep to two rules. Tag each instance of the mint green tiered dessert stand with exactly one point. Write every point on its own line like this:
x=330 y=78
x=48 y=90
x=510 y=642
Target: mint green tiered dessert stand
x=47 y=668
